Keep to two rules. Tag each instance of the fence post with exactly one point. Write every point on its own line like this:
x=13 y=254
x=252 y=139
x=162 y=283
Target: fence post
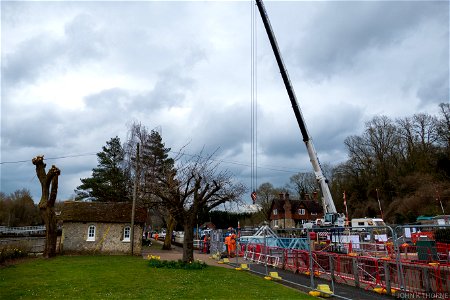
x=331 y=262
x=355 y=271
x=387 y=277
x=311 y=261
x=397 y=259
x=426 y=278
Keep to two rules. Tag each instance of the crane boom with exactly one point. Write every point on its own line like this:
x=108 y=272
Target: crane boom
x=328 y=203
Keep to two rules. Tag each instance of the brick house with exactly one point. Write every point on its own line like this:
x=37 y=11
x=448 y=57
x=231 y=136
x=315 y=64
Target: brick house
x=101 y=227
x=292 y=213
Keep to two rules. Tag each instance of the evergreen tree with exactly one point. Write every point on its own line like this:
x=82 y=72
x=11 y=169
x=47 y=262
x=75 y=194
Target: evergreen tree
x=109 y=181
x=153 y=165
x=155 y=161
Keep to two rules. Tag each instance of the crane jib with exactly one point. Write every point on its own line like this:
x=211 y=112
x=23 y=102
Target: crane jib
x=328 y=203
x=283 y=71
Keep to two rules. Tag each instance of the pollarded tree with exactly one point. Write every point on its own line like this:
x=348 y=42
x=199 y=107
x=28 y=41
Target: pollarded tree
x=49 y=186
x=109 y=181
x=196 y=186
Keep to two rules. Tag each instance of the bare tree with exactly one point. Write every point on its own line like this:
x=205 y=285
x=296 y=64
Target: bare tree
x=419 y=137
x=304 y=183
x=266 y=192
x=197 y=185
x=49 y=185
x=444 y=124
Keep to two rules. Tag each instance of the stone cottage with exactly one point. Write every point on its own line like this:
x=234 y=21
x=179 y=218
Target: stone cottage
x=292 y=213
x=101 y=227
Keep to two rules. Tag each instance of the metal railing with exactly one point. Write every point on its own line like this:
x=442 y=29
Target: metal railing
x=25 y=230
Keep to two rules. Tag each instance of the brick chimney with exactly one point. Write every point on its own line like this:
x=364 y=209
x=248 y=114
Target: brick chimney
x=287 y=208
x=316 y=196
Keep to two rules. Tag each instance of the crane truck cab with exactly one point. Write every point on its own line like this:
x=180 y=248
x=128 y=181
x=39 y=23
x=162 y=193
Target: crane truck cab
x=333 y=219
x=328 y=220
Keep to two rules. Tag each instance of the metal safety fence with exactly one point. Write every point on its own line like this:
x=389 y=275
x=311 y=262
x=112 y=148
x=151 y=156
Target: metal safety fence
x=406 y=260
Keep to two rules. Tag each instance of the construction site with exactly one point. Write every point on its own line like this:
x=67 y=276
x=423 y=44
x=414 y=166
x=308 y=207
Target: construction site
x=411 y=262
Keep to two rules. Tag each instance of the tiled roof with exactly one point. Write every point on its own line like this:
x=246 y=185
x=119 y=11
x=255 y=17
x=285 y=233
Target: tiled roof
x=108 y=212
x=310 y=205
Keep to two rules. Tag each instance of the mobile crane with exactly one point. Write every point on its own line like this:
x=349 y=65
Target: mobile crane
x=331 y=216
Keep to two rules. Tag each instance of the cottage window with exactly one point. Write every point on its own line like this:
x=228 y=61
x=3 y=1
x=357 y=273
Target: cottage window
x=275 y=223
x=275 y=211
x=313 y=213
x=301 y=211
x=126 y=234
x=91 y=233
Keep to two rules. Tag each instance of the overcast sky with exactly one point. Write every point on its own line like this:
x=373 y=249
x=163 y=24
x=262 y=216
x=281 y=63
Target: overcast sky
x=76 y=74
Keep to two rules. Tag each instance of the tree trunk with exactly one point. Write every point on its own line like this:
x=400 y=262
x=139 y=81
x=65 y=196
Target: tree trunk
x=188 y=244
x=49 y=217
x=49 y=186
x=171 y=222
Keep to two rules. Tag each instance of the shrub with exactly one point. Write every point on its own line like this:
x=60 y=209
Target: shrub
x=8 y=252
x=171 y=264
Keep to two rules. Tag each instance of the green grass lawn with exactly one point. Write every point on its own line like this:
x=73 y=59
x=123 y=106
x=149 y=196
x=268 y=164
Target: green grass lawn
x=125 y=277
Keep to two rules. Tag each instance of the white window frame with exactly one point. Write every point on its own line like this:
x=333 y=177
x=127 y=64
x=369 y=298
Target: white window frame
x=126 y=237
x=275 y=212
x=91 y=233
x=275 y=223
x=301 y=211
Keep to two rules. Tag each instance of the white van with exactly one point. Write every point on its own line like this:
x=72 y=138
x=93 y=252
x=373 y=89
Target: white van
x=361 y=223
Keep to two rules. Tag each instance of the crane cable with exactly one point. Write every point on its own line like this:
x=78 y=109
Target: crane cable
x=254 y=103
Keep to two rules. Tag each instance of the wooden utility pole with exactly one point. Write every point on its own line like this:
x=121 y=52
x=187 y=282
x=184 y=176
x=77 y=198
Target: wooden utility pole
x=136 y=182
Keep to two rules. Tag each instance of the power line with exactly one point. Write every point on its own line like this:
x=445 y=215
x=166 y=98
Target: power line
x=264 y=167
x=50 y=158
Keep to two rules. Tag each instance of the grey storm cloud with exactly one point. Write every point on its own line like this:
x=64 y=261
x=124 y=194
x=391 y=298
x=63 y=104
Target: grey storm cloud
x=343 y=31
x=169 y=91
x=76 y=73
x=36 y=128
x=32 y=57
x=224 y=128
x=436 y=89
x=112 y=99
x=83 y=40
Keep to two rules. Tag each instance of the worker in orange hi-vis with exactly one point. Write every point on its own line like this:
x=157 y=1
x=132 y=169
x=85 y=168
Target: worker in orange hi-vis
x=227 y=243
x=205 y=243
x=232 y=245
x=156 y=236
